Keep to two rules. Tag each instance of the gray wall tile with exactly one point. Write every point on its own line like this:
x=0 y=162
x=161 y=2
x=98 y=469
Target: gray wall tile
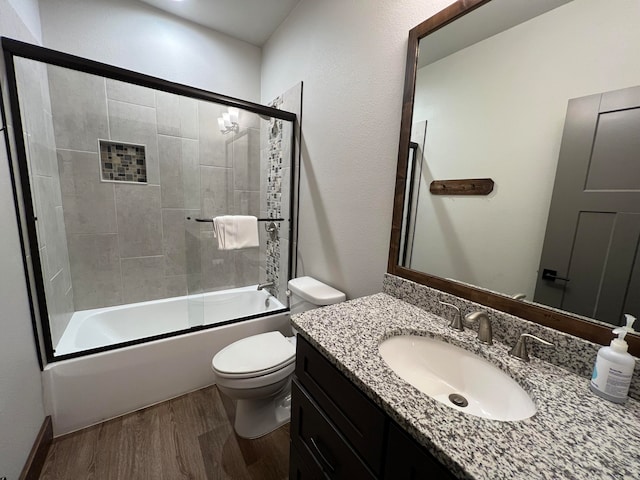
x=79 y=103
x=189 y=117
x=215 y=191
x=139 y=220
x=246 y=203
x=191 y=173
x=143 y=279
x=194 y=283
x=61 y=307
x=181 y=242
x=218 y=266
x=89 y=204
x=52 y=234
x=127 y=92
x=247 y=266
x=248 y=120
x=136 y=124
x=212 y=141
x=30 y=75
x=246 y=160
x=168 y=113
x=171 y=178
x=95 y=270
x=66 y=267
x=176 y=285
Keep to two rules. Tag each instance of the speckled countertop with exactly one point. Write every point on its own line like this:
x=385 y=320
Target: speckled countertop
x=573 y=435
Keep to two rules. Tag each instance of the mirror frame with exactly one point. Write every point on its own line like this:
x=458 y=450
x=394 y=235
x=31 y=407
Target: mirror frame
x=563 y=321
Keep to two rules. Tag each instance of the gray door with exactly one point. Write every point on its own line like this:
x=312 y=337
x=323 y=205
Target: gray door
x=590 y=262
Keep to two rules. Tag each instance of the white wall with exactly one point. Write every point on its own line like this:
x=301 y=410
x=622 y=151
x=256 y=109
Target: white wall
x=351 y=57
x=21 y=410
x=29 y=14
x=139 y=37
x=497 y=110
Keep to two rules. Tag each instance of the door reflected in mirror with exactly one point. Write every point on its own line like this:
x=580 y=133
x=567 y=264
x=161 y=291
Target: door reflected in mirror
x=497 y=108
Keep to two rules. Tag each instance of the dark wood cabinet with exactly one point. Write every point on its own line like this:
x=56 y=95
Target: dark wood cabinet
x=338 y=433
x=406 y=460
x=302 y=466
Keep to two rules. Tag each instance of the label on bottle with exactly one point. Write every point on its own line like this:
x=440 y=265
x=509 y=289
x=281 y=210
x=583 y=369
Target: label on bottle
x=610 y=379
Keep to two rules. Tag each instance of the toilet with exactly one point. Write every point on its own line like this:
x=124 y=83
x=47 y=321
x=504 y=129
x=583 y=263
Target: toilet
x=256 y=371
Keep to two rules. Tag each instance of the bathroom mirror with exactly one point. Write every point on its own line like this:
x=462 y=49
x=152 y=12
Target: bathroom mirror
x=486 y=93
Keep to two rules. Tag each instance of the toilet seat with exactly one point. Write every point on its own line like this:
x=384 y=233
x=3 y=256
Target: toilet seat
x=254 y=356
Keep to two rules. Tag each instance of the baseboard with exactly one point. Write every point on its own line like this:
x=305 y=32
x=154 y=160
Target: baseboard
x=37 y=456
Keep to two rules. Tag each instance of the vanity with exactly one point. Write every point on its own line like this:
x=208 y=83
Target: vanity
x=337 y=430
x=353 y=417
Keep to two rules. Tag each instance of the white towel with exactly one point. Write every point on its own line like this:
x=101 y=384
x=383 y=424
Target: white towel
x=236 y=231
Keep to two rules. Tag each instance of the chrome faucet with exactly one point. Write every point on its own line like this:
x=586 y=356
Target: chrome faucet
x=456 y=322
x=485 y=333
x=520 y=348
x=265 y=285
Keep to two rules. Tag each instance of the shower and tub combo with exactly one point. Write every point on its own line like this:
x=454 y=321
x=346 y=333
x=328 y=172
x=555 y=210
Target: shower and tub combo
x=131 y=297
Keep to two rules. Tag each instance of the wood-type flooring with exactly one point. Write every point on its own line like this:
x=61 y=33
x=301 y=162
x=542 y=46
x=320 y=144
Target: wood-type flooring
x=189 y=437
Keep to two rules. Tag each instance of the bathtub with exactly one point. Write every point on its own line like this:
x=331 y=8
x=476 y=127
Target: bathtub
x=82 y=391
x=100 y=327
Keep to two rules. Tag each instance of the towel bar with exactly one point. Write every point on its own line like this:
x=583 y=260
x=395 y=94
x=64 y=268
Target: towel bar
x=271 y=227
x=210 y=220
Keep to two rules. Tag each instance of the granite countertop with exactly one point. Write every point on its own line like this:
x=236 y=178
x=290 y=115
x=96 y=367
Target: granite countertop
x=573 y=435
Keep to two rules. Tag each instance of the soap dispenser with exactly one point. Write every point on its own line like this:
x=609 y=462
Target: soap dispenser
x=614 y=367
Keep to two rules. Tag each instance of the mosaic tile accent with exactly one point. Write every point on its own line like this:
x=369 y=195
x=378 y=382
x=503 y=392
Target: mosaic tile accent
x=274 y=195
x=122 y=162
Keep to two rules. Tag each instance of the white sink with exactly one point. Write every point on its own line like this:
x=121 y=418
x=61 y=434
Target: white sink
x=440 y=370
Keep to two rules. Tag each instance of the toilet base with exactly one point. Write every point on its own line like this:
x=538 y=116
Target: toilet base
x=256 y=417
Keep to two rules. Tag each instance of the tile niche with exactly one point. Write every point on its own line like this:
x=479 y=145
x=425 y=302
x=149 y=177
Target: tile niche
x=122 y=162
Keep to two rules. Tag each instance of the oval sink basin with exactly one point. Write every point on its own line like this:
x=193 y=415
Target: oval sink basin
x=457 y=378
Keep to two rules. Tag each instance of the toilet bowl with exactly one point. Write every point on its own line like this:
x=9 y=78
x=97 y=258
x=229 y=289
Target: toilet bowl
x=256 y=371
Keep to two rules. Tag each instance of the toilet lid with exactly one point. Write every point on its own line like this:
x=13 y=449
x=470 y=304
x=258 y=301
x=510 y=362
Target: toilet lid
x=258 y=354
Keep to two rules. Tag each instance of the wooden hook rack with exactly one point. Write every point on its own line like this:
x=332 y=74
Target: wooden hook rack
x=469 y=186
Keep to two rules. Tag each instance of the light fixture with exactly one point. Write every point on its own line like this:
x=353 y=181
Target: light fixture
x=229 y=121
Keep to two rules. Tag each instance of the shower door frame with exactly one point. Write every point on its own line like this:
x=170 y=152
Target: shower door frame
x=22 y=193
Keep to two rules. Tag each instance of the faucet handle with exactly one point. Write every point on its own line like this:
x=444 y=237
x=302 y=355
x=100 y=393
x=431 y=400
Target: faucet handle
x=485 y=333
x=456 y=323
x=519 y=350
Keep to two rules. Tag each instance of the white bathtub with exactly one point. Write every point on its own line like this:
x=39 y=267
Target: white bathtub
x=83 y=391
x=99 y=327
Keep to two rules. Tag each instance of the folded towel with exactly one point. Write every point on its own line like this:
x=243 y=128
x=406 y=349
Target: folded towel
x=236 y=231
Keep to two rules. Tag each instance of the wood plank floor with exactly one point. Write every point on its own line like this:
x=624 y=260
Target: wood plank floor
x=188 y=437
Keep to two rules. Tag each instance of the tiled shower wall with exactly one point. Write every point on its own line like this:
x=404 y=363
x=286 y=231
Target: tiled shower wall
x=35 y=110
x=131 y=243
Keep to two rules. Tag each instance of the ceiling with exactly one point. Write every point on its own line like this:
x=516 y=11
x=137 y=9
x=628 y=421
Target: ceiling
x=250 y=20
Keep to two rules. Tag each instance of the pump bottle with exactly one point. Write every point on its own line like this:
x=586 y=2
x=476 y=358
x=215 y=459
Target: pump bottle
x=614 y=367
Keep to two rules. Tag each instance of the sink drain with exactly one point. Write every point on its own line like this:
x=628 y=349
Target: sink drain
x=458 y=400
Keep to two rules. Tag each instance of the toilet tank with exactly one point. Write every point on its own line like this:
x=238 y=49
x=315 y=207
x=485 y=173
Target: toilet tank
x=308 y=293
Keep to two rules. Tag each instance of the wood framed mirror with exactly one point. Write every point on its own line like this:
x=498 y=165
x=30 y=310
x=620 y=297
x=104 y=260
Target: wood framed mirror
x=428 y=34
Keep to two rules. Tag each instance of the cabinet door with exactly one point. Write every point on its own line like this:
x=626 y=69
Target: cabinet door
x=315 y=436
x=354 y=415
x=303 y=467
x=406 y=460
